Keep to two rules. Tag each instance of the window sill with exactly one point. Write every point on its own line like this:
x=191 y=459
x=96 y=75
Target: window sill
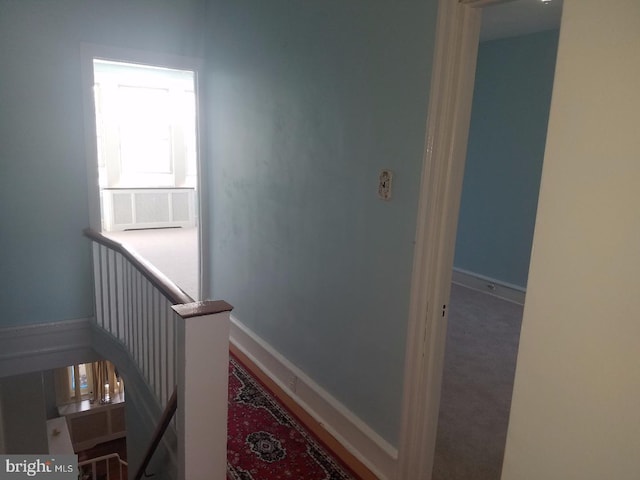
x=86 y=405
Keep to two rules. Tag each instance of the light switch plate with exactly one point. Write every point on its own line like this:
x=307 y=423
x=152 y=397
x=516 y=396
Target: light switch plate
x=384 y=184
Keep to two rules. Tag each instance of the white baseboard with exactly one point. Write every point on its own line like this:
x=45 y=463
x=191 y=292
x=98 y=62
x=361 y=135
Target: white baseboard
x=356 y=436
x=497 y=288
x=31 y=348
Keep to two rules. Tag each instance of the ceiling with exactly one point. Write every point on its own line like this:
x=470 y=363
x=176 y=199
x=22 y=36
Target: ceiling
x=519 y=17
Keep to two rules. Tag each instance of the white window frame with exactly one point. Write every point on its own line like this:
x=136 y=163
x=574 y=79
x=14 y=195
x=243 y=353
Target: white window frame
x=85 y=393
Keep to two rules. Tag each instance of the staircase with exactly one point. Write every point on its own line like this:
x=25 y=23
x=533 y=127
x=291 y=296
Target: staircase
x=173 y=354
x=101 y=467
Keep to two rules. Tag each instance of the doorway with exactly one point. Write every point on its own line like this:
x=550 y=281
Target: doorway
x=452 y=89
x=507 y=135
x=146 y=144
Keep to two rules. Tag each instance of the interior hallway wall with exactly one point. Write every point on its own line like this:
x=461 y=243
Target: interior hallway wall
x=46 y=269
x=49 y=388
x=307 y=102
x=511 y=100
x=577 y=387
x=24 y=414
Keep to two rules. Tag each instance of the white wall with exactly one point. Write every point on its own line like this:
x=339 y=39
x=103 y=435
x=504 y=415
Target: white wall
x=576 y=402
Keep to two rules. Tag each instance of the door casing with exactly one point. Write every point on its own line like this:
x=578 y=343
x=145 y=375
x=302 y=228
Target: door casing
x=449 y=114
x=88 y=53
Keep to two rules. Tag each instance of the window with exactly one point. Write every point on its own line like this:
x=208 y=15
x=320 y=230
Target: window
x=82 y=378
x=145 y=125
x=145 y=130
x=80 y=382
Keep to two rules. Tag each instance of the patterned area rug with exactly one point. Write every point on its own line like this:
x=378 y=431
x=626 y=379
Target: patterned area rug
x=265 y=442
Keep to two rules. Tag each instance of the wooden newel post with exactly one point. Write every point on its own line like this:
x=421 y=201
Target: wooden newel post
x=202 y=378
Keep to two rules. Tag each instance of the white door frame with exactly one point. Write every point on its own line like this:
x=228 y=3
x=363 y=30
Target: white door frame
x=90 y=51
x=453 y=75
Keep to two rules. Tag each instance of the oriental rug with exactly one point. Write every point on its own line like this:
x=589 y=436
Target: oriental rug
x=266 y=442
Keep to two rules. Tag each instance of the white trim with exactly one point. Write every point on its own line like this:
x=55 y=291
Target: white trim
x=202 y=373
x=491 y=286
x=457 y=36
x=202 y=214
x=43 y=346
x=355 y=435
x=90 y=135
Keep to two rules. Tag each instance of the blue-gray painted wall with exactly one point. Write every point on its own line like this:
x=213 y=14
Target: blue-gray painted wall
x=307 y=101
x=510 y=112
x=45 y=266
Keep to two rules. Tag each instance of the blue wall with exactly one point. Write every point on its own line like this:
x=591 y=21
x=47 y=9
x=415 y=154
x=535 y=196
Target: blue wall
x=44 y=260
x=512 y=95
x=307 y=102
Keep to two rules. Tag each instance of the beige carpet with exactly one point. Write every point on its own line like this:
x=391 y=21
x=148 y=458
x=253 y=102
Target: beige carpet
x=173 y=251
x=480 y=359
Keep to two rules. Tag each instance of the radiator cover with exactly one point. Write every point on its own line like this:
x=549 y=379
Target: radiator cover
x=127 y=208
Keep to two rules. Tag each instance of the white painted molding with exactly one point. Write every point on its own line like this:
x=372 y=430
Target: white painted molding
x=32 y=348
x=203 y=394
x=90 y=134
x=453 y=73
x=491 y=286
x=354 y=434
x=203 y=207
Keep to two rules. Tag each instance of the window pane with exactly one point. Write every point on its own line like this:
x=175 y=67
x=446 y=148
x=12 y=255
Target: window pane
x=84 y=383
x=145 y=129
x=84 y=380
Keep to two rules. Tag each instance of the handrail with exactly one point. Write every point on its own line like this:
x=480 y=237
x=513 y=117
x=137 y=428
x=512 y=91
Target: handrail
x=164 y=422
x=169 y=289
x=176 y=296
x=148 y=314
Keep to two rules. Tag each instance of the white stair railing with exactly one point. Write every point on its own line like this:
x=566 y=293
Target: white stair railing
x=174 y=341
x=93 y=462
